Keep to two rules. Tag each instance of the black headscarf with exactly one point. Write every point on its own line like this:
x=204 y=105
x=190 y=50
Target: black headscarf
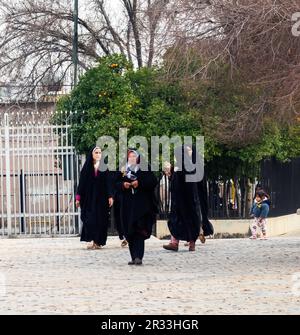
x=87 y=172
x=188 y=162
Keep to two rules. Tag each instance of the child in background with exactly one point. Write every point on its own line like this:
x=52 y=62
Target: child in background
x=259 y=210
x=266 y=195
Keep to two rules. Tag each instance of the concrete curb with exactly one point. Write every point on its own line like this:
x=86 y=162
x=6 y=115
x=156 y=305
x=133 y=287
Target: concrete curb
x=276 y=226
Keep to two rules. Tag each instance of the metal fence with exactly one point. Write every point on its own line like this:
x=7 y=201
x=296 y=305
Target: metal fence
x=222 y=197
x=39 y=172
x=38 y=177
x=282 y=182
x=228 y=200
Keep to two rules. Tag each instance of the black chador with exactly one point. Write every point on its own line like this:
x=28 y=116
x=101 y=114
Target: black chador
x=188 y=218
x=206 y=227
x=94 y=196
x=138 y=205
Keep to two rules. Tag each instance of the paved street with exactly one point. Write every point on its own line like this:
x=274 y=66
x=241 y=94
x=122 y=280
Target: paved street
x=230 y=276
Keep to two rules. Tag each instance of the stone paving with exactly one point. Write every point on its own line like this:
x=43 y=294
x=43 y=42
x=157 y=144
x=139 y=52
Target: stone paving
x=229 y=276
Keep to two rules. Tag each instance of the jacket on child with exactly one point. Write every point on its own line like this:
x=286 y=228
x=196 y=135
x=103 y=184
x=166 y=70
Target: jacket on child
x=260 y=209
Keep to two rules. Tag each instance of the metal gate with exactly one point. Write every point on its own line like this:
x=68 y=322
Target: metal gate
x=282 y=181
x=39 y=172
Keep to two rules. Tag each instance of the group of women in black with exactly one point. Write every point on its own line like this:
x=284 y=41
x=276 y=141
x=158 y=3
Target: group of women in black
x=132 y=194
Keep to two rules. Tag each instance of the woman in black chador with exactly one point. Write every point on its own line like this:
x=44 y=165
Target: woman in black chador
x=138 y=206
x=94 y=197
x=188 y=218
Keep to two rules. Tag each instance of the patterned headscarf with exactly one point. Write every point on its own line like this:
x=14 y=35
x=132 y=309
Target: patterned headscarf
x=131 y=170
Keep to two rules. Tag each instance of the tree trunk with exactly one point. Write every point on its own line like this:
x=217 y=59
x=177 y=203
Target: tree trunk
x=244 y=190
x=225 y=198
x=131 y=8
x=249 y=197
x=237 y=195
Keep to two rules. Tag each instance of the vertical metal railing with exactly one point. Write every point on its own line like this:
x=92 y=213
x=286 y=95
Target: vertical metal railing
x=37 y=178
x=2 y=218
x=7 y=173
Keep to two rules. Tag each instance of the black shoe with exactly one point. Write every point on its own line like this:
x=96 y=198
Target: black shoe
x=131 y=263
x=138 y=261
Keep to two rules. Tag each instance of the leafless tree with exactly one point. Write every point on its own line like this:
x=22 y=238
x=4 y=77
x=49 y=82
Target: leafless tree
x=254 y=37
x=36 y=36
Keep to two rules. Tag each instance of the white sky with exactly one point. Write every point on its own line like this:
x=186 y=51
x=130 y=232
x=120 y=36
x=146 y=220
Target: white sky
x=114 y=7
x=86 y=9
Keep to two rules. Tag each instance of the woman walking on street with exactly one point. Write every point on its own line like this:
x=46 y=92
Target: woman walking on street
x=188 y=218
x=138 y=206
x=94 y=197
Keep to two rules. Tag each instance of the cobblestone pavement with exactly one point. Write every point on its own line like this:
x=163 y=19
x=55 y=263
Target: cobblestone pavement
x=229 y=276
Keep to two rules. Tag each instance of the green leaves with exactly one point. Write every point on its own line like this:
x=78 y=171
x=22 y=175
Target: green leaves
x=147 y=102
x=113 y=95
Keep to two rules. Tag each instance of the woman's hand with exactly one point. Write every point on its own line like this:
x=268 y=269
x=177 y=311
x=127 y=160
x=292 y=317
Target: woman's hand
x=126 y=185
x=77 y=203
x=110 y=201
x=135 y=184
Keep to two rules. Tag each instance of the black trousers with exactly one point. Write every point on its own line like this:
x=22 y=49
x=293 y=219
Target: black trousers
x=136 y=247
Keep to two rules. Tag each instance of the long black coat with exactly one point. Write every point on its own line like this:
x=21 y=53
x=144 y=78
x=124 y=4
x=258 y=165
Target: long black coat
x=189 y=208
x=138 y=211
x=94 y=191
x=185 y=217
x=207 y=226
